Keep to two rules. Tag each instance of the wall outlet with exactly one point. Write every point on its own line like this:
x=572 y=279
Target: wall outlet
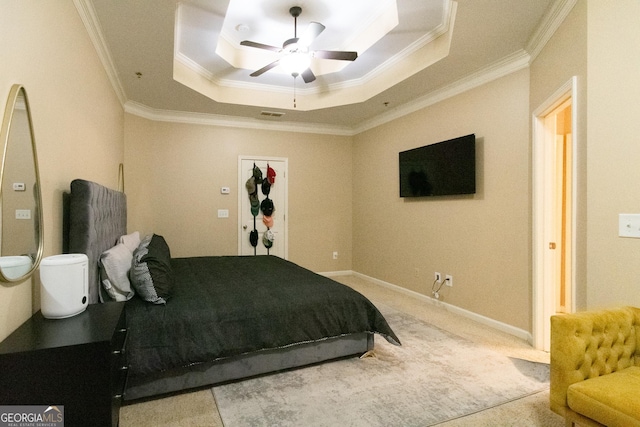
x=448 y=280
x=438 y=277
x=335 y=255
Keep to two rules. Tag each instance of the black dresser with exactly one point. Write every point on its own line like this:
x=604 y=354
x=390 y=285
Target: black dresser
x=78 y=362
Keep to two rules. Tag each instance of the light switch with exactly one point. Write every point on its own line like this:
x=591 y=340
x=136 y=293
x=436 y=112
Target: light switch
x=223 y=213
x=23 y=213
x=629 y=225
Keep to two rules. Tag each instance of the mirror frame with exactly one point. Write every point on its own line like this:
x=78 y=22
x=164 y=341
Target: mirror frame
x=5 y=132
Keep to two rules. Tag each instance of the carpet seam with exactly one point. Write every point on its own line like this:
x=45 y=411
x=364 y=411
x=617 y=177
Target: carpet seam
x=532 y=393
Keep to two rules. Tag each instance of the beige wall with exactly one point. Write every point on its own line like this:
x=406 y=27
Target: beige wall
x=613 y=117
x=174 y=173
x=78 y=120
x=483 y=241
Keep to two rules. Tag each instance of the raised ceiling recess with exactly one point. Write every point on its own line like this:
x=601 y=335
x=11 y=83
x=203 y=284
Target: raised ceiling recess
x=209 y=56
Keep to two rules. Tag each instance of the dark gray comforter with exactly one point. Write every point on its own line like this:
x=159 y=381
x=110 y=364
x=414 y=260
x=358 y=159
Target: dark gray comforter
x=227 y=306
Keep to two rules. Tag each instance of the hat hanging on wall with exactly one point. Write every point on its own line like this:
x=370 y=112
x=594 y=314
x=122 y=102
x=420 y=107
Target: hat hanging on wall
x=252 y=189
x=266 y=187
x=267 y=220
x=253 y=238
x=267 y=207
x=253 y=199
x=257 y=174
x=267 y=239
x=251 y=185
x=271 y=174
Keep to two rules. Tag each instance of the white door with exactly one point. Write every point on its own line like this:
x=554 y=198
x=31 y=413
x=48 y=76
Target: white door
x=554 y=203
x=277 y=194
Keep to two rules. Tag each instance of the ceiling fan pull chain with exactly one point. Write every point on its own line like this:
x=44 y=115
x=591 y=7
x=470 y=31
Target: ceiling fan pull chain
x=294 y=90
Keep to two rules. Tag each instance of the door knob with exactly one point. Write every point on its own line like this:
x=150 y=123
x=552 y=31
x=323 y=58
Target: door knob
x=244 y=227
x=552 y=245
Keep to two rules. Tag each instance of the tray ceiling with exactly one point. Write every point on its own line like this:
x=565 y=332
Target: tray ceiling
x=169 y=58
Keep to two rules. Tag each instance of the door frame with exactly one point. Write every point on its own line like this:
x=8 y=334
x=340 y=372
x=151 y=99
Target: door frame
x=543 y=283
x=282 y=180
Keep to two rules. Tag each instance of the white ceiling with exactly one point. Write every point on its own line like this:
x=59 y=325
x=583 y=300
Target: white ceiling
x=161 y=55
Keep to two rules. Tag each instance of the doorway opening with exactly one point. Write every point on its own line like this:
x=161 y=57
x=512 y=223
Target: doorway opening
x=554 y=153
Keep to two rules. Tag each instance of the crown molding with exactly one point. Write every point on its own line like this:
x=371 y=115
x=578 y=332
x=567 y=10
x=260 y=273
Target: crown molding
x=549 y=24
x=149 y=113
x=88 y=16
x=501 y=68
x=506 y=66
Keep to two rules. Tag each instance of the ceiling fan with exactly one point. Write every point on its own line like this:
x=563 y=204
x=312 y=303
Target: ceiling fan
x=296 y=56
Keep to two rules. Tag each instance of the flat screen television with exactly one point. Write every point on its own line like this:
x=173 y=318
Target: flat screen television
x=440 y=169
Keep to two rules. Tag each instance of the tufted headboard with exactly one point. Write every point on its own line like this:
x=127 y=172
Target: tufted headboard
x=97 y=217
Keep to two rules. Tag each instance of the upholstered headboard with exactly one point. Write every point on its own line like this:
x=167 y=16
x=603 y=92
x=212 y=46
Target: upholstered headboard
x=97 y=217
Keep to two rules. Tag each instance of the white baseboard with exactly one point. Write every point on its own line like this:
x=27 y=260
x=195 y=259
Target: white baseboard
x=338 y=273
x=495 y=324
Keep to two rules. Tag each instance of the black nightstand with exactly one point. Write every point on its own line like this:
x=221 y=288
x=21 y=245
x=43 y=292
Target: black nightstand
x=78 y=362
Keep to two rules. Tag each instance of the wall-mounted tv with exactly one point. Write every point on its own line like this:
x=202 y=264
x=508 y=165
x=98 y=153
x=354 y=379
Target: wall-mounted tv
x=440 y=169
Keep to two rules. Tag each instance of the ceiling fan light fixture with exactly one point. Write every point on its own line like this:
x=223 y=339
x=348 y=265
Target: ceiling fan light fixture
x=295 y=54
x=295 y=63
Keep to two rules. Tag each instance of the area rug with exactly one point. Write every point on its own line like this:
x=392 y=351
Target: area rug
x=434 y=377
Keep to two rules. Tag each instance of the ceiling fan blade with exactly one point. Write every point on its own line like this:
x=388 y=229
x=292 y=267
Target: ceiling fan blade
x=260 y=45
x=308 y=76
x=265 y=68
x=336 y=54
x=313 y=30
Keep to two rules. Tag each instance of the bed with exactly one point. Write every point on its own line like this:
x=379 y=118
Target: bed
x=228 y=317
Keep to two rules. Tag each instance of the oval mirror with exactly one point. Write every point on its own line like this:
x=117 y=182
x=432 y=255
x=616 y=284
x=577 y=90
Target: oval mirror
x=21 y=237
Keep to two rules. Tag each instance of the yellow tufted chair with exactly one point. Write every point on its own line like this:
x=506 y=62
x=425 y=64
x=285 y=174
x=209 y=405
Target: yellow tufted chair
x=595 y=367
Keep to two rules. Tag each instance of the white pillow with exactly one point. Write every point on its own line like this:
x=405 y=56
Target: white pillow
x=115 y=264
x=131 y=241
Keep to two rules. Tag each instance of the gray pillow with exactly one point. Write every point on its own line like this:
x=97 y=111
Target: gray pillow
x=131 y=241
x=151 y=273
x=115 y=264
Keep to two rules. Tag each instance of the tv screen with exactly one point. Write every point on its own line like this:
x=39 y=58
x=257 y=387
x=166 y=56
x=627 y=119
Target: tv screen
x=441 y=169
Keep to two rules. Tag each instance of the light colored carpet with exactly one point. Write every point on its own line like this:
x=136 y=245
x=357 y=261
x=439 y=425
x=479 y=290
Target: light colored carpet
x=198 y=408
x=434 y=377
